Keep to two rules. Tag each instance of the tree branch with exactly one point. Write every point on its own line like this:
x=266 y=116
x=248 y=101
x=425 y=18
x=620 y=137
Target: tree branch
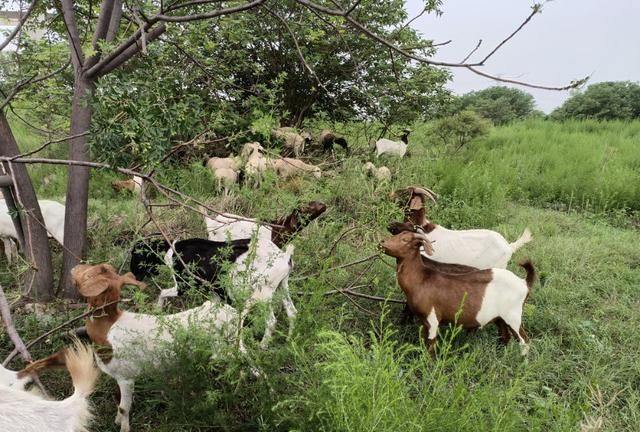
x=100 y=33
x=217 y=13
x=47 y=144
x=104 y=68
x=68 y=17
x=17 y=29
x=295 y=41
x=472 y=51
x=114 y=23
x=34 y=79
x=470 y=66
x=535 y=9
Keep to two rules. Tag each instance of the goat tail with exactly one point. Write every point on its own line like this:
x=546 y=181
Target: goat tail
x=525 y=238
x=531 y=272
x=80 y=365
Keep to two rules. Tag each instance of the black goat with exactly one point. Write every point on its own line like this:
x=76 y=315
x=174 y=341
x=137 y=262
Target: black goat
x=204 y=259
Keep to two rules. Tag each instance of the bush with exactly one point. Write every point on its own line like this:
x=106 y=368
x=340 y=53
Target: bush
x=501 y=105
x=461 y=128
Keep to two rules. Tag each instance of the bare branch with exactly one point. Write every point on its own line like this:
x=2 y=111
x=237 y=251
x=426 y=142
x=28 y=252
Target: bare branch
x=353 y=6
x=47 y=144
x=408 y=23
x=534 y=10
x=64 y=324
x=571 y=85
x=438 y=44
x=472 y=51
x=177 y=6
x=165 y=190
x=360 y=261
x=470 y=66
x=18 y=28
x=351 y=292
x=104 y=68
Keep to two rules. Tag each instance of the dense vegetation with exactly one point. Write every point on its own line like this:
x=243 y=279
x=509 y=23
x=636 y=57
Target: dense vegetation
x=349 y=367
x=612 y=100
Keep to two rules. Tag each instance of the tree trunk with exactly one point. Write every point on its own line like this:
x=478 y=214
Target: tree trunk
x=75 y=222
x=38 y=283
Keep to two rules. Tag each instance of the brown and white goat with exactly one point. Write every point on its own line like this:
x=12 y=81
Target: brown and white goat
x=134 y=338
x=479 y=248
x=471 y=300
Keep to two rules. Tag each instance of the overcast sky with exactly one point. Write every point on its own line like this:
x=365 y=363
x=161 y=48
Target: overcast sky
x=569 y=40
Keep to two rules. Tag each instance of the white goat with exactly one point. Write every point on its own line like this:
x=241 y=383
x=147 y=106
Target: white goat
x=394 y=148
x=292 y=139
x=231 y=162
x=288 y=167
x=256 y=163
x=480 y=248
x=136 y=339
x=382 y=174
x=25 y=412
x=225 y=179
x=53 y=214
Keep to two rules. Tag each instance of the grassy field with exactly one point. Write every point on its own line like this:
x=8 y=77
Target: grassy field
x=351 y=366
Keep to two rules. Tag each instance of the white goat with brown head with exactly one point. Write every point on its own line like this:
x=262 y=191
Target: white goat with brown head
x=479 y=248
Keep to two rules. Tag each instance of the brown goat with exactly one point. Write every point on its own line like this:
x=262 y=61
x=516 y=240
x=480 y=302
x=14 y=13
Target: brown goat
x=471 y=300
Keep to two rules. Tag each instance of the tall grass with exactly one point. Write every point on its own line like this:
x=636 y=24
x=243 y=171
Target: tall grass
x=583 y=165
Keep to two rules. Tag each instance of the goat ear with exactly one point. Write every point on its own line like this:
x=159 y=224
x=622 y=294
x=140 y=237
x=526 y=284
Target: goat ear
x=94 y=286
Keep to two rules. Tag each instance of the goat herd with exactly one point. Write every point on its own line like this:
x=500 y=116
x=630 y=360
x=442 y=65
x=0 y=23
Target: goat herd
x=446 y=275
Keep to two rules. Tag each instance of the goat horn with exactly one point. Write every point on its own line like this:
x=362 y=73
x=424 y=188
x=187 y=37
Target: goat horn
x=425 y=192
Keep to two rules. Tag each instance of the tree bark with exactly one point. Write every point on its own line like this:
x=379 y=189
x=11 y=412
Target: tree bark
x=75 y=222
x=38 y=283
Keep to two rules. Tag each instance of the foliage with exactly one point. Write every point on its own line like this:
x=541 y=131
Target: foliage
x=228 y=75
x=458 y=129
x=612 y=100
x=499 y=104
x=47 y=104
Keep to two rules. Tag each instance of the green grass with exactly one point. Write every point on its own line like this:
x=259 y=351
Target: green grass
x=350 y=368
